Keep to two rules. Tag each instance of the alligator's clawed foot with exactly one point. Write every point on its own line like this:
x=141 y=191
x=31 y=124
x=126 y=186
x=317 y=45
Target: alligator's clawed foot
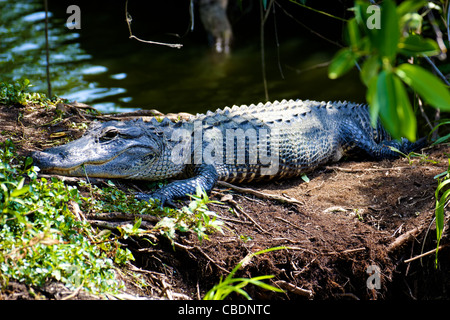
x=160 y=198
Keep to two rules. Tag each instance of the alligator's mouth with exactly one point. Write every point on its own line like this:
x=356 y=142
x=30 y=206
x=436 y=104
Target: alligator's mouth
x=120 y=165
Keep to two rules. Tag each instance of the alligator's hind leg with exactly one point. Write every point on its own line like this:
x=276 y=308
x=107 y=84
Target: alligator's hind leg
x=205 y=177
x=380 y=150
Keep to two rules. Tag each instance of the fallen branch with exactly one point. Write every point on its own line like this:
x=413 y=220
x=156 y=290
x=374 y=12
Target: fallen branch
x=377 y=169
x=294 y=289
x=260 y=194
x=404 y=238
x=346 y=251
x=107 y=216
x=114 y=225
x=242 y=211
x=425 y=254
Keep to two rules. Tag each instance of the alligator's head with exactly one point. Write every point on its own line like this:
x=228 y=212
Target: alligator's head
x=112 y=149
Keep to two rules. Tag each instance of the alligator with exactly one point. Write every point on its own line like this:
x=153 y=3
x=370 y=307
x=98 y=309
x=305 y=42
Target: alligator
x=275 y=140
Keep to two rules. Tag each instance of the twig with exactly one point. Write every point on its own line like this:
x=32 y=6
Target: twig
x=107 y=224
x=189 y=248
x=439 y=39
x=424 y=115
x=346 y=251
x=105 y=216
x=436 y=69
x=128 y=19
x=260 y=194
x=263 y=63
x=376 y=169
x=308 y=28
x=399 y=241
x=448 y=21
x=425 y=254
x=236 y=205
x=289 y=223
x=75 y=293
x=294 y=289
x=47 y=53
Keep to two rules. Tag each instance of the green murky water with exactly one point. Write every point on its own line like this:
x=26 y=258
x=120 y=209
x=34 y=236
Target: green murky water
x=99 y=65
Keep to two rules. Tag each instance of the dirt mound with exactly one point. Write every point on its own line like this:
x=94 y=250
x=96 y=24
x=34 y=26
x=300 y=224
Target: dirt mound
x=350 y=234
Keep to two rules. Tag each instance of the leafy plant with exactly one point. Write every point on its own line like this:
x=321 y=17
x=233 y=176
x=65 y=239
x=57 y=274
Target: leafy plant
x=441 y=202
x=382 y=51
x=17 y=93
x=230 y=284
x=195 y=217
x=40 y=238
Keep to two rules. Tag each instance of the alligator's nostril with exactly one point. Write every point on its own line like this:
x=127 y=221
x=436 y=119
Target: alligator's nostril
x=63 y=155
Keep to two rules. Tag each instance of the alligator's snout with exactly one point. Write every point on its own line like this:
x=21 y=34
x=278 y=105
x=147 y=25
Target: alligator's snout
x=41 y=159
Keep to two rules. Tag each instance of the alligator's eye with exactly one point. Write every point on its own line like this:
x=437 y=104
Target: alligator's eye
x=109 y=134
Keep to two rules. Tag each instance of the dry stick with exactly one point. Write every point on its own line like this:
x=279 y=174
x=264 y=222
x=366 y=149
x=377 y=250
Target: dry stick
x=377 y=169
x=263 y=64
x=47 y=54
x=189 y=248
x=236 y=205
x=425 y=254
x=309 y=29
x=346 y=251
x=294 y=289
x=123 y=216
x=259 y=194
x=129 y=19
x=399 y=241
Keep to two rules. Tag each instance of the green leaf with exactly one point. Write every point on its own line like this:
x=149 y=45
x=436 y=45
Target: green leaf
x=415 y=45
x=342 y=62
x=369 y=69
x=389 y=34
x=371 y=97
x=385 y=100
x=354 y=36
x=20 y=191
x=405 y=113
x=391 y=101
x=430 y=88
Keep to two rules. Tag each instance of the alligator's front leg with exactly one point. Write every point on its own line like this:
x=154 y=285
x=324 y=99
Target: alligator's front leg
x=205 y=177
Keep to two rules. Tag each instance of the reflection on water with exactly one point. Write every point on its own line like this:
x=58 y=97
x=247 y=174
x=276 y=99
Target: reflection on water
x=22 y=55
x=100 y=66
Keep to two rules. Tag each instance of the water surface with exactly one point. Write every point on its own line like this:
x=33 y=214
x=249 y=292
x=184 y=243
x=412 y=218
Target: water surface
x=99 y=65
